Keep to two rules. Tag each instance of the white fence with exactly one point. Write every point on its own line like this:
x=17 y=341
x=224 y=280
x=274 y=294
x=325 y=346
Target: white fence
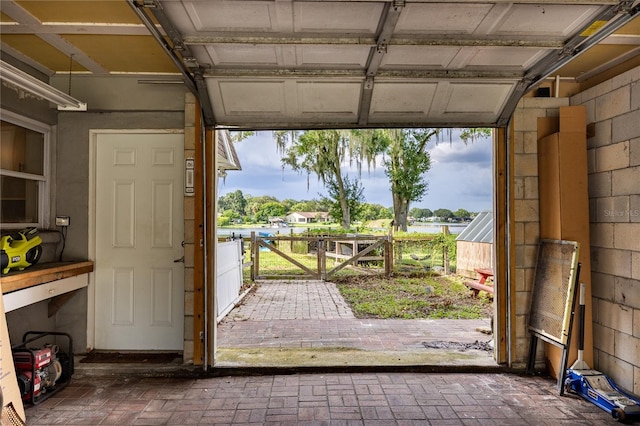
x=229 y=276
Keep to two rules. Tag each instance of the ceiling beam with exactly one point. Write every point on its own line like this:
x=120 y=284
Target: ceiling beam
x=5 y=48
x=73 y=28
x=608 y=65
x=622 y=39
x=22 y=17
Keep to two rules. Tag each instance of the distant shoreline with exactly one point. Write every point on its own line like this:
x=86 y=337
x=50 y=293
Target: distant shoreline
x=245 y=231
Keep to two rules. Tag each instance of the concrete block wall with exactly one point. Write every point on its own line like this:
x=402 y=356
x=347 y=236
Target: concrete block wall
x=613 y=111
x=526 y=208
x=189 y=240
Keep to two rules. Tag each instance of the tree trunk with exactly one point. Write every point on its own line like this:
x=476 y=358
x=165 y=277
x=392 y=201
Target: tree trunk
x=400 y=213
x=346 y=216
x=344 y=203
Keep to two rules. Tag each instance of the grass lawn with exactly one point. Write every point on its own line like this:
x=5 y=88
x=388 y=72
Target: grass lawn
x=412 y=296
x=417 y=289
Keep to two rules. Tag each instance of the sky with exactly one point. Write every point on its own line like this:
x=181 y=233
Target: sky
x=460 y=176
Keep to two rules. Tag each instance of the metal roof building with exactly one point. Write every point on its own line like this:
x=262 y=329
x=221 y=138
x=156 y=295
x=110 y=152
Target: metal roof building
x=474 y=246
x=480 y=230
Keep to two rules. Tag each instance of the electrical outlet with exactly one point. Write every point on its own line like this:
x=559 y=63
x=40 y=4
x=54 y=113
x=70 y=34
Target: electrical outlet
x=62 y=220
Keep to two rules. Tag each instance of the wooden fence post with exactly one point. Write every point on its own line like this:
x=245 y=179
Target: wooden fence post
x=388 y=256
x=322 y=259
x=445 y=251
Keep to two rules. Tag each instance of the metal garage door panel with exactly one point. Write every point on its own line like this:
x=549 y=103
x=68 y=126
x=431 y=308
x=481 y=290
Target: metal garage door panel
x=272 y=102
x=544 y=19
x=477 y=97
x=270 y=55
x=229 y=54
x=275 y=17
x=224 y=16
x=342 y=17
x=447 y=57
x=290 y=63
x=514 y=57
x=330 y=56
x=409 y=57
x=438 y=102
x=325 y=97
x=238 y=98
x=402 y=98
x=442 y=18
x=297 y=63
x=549 y=20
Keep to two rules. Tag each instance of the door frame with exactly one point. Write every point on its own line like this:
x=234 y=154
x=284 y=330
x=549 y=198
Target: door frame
x=91 y=237
x=505 y=332
x=504 y=302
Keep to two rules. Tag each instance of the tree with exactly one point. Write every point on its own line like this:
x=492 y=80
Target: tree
x=462 y=213
x=309 y=206
x=254 y=203
x=231 y=214
x=443 y=213
x=322 y=152
x=233 y=201
x=240 y=136
x=473 y=134
x=375 y=211
x=353 y=196
x=406 y=161
x=288 y=203
x=323 y=205
x=268 y=210
x=419 y=213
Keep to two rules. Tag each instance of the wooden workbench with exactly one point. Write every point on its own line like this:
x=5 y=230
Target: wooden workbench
x=54 y=281
x=43 y=273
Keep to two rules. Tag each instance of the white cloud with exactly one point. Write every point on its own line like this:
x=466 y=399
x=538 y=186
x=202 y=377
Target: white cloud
x=258 y=151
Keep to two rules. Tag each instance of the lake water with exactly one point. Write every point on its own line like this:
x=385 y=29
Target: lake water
x=434 y=228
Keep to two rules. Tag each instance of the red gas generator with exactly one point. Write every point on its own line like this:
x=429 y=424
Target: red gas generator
x=43 y=370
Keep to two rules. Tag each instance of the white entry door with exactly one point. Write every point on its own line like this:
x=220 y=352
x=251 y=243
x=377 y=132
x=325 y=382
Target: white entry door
x=139 y=289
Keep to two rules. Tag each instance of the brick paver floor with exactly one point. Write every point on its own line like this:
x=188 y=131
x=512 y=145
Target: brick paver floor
x=317 y=399
x=292 y=300
x=311 y=314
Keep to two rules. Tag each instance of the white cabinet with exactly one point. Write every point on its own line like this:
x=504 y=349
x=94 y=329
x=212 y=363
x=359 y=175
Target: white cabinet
x=27 y=296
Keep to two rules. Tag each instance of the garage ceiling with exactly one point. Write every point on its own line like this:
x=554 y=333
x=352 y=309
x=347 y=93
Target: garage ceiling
x=272 y=64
